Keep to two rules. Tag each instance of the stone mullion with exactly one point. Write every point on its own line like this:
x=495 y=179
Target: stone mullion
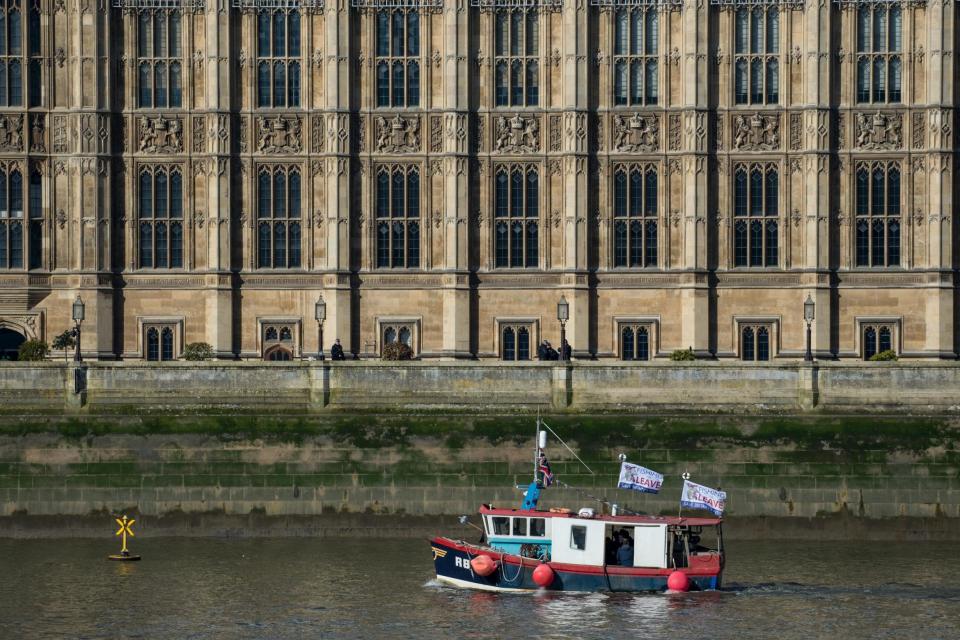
x=725 y=207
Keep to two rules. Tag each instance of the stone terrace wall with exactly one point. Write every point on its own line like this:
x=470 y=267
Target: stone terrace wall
x=478 y=386
x=160 y=476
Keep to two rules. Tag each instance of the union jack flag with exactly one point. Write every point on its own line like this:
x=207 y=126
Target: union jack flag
x=545 y=470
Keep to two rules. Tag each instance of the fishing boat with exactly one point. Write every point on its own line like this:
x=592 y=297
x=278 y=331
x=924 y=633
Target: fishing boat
x=527 y=549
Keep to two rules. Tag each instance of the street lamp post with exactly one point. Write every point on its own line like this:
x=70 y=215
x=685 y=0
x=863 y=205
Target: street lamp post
x=78 y=314
x=320 y=313
x=808 y=314
x=563 y=314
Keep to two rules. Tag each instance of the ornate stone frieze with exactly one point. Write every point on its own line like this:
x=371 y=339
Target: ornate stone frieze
x=675 y=132
x=636 y=133
x=879 y=131
x=38 y=134
x=60 y=142
x=517 y=134
x=281 y=134
x=160 y=135
x=436 y=134
x=397 y=134
x=199 y=134
x=756 y=132
x=316 y=134
x=796 y=131
x=11 y=133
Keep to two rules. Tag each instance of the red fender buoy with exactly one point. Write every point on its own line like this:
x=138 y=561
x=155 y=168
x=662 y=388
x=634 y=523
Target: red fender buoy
x=483 y=565
x=678 y=581
x=543 y=575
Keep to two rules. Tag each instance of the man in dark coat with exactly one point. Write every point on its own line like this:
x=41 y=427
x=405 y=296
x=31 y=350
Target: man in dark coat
x=336 y=351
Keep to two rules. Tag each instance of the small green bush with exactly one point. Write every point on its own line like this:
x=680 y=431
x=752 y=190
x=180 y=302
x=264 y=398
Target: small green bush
x=885 y=356
x=64 y=342
x=683 y=355
x=33 y=351
x=397 y=351
x=197 y=351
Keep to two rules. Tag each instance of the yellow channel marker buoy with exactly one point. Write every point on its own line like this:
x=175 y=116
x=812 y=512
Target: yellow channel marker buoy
x=124 y=530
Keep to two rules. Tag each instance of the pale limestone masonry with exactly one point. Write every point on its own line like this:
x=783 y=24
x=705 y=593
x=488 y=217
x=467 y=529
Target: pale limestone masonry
x=89 y=141
x=301 y=388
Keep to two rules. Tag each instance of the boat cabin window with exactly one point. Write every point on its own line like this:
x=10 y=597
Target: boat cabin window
x=538 y=527
x=519 y=526
x=578 y=537
x=501 y=526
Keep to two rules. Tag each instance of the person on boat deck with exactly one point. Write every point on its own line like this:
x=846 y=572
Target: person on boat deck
x=625 y=537
x=625 y=553
x=610 y=548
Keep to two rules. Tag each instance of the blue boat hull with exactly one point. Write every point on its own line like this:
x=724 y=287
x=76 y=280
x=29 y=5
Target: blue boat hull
x=452 y=564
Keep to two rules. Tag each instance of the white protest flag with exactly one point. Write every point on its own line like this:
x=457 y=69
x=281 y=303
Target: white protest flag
x=697 y=496
x=633 y=476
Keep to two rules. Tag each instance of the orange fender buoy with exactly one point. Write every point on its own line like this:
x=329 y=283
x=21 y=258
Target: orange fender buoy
x=483 y=565
x=543 y=575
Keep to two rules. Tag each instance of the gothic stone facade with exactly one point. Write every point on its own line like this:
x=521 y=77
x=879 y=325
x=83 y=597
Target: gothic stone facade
x=684 y=173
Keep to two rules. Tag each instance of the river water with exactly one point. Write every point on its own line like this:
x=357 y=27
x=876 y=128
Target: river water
x=373 y=588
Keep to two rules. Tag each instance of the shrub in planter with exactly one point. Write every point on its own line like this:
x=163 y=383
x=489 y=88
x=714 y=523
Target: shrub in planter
x=397 y=351
x=33 y=351
x=683 y=355
x=885 y=356
x=197 y=351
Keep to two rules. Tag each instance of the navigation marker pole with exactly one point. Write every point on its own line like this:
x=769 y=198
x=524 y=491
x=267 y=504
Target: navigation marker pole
x=124 y=530
x=686 y=476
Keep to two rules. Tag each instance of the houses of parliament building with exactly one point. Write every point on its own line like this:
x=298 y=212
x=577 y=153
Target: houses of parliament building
x=683 y=173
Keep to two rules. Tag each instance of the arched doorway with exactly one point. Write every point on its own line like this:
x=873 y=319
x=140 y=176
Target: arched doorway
x=10 y=342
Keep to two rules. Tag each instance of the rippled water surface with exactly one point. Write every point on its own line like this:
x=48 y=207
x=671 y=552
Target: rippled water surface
x=367 y=588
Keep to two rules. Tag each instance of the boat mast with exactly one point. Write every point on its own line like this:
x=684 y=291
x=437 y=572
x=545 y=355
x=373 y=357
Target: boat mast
x=536 y=450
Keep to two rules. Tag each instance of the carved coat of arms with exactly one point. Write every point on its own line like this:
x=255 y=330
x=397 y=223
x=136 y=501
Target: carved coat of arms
x=517 y=134
x=879 y=131
x=11 y=133
x=636 y=133
x=756 y=132
x=397 y=135
x=279 y=135
x=161 y=135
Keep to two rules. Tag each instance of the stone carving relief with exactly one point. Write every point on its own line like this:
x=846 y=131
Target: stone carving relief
x=756 y=132
x=601 y=143
x=796 y=131
x=161 y=135
x=636 y=133
x=38 y=138
x=436 y=134
x=918 y=130
x=555 y=133
x=279 y=135
x=11 y=133
x=879 y=131
x=199 y=134
x=244 y=146
x=674 y=132
x=398 y=134
x=317 y=135
x=517 y=135
x=60 y=134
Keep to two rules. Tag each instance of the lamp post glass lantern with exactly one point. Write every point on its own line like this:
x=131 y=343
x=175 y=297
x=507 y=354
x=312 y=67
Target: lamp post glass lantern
x=809 y=307
x=320 y=313
x=563 y=314
x=79 y=312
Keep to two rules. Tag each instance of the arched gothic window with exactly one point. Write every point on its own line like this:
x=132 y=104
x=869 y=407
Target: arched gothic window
x=879 y=52
x=755 y=342
x=159 y=58
x=516 y=216
x=278 y=342
x=14 y=57
x=635 y=216
x=515 y=342
x=11 y=218
x=398 y=57
x=278 y=57
x=878 y=214
x=398 y=217
x=160 y=214
x=278 y=217
x=755 y=210
x=516 y=55
x=635 y=342
x=876 y=338
x=756 y=63
x=636 y=48
x=160 y=343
